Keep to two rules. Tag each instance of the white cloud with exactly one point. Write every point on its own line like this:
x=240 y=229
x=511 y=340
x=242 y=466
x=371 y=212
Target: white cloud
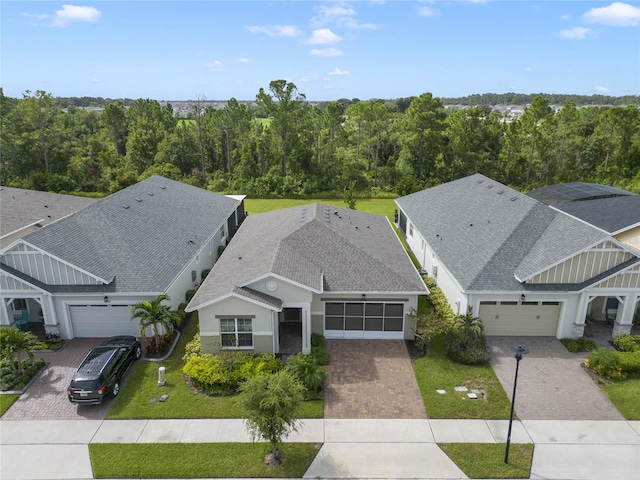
x=326 y=52
x=323 y=36
x=242 y=60
x=576 y=33
x=73 y=13
x=338 y=72
x=95 y=80
x=565 y=17
x=427 y=12
x=275 y=30
x=617 y=14
x=528 y=69
x=36 y=16
x=341 y=16
x=215 y=66
x=602 y=89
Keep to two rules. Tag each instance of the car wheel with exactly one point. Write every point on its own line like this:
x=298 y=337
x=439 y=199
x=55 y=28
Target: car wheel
x=138 y=352
x=116 y=389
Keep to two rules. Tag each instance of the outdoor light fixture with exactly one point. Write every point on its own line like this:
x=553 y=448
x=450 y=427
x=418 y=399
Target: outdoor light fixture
x=106 y=299
x=519 y=350
x=522 y=299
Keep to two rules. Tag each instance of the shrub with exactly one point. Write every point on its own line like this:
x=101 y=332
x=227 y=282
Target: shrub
x=604 y=363
x=627 y=343
x=629 y=363
x=220 y=250
x=222 y=374
x=321 y=355
x=189 y=295
x=438 y=300
x=317 y=340
x=575 y=345
x=307 y=371
x=10 y=381
x=460 y=348
x=204 y=274
x=193 y=347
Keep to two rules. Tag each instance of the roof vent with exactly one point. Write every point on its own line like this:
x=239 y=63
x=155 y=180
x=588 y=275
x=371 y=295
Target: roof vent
x=138 y=199
x=126 y=207
x=500 y=192
x=513 y=199
x=489 y=187
x=150 y=194
x=480 y=181
x=163 y=187
x=46 y=206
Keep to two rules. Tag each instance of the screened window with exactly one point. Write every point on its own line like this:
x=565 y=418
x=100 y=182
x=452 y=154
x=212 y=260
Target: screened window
x=236 y=333
x=367 y=316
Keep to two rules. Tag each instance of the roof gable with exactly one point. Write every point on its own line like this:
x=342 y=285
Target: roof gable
x=143 y=236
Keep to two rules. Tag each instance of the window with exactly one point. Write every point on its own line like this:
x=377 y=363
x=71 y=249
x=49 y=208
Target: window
x=236 y=333
x=19 y=304
x=410 y=230
x=364 y=316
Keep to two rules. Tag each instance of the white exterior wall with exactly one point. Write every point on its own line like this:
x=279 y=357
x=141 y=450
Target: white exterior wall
x=286 y=291
x=205 y=258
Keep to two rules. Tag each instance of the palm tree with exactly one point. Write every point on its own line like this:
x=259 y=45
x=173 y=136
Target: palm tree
x=468 y=326
x=13 y=343
x=153 y=314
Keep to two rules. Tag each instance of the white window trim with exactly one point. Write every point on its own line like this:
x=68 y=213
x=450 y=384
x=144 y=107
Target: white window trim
x=235 y=333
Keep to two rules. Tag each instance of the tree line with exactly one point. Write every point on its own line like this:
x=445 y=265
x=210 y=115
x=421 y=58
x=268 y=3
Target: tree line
x=283 y=146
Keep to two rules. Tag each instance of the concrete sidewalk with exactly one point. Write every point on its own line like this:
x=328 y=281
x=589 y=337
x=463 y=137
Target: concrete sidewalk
x=564 y=450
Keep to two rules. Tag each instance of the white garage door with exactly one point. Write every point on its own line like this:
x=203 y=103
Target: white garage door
x=102 y=320
x=520 y=319
x=364 y=320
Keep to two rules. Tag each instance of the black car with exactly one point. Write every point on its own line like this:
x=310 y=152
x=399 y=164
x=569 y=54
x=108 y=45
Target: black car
x=100 y=373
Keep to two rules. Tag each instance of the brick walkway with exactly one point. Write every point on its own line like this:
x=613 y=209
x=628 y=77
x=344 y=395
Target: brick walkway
x=371 y=379
x=46 y=397
x=552 y=384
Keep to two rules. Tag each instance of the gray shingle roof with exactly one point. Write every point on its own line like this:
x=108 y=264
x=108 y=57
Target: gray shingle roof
x=144 y=246
x=321 y=247
x=610 y=214
x=485 y=233
x=20 y=208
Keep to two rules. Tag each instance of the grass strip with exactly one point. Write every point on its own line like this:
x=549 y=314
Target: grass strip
x=135 y=398
x=624 y=395
x=436 y=372
x=6 y=401
x=197 y=460
x=486 y=460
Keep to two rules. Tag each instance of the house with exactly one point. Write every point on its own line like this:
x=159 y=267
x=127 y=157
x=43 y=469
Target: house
x=523 y=267
x=308 y=269
x=81 y=275
x=615 y=211
x=25 y=211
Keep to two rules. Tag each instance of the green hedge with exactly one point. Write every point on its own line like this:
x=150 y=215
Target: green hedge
x=627 y=343
x=629 y=362
x=223 y=373
x=575 y=345
x=614 y=365
x=438 y=300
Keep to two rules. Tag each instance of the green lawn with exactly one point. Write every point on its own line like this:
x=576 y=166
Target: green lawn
x=6 y=401
x=624 y=395
x=381 y=206
x=135 y=397
x=486 y=460
x=197 y=460
x=436 y=371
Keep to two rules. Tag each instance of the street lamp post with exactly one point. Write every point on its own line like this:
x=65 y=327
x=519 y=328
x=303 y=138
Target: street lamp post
x=519 y=350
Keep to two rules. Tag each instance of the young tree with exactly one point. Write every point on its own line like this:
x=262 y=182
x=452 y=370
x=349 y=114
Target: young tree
x=271 y=402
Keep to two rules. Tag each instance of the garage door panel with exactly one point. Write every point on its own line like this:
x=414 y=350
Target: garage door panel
x=520 y=320
x=102 y=320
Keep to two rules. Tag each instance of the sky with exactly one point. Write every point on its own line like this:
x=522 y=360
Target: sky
x=216 y=50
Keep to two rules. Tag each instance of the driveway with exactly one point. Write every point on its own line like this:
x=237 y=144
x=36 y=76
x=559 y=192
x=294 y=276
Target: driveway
x=46 y=397
x=371 y=379
x=552 y=384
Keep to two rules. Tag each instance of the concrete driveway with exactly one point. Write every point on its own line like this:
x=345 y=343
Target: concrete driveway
x=46 y=397
x=552 y=384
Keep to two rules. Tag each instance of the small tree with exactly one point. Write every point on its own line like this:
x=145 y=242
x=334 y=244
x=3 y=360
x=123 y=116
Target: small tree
x=428 y=326
x=13 y=343
x=468 y=325
x=153 y=314
x=306 y=370
x=351 y=196
x=271 y=402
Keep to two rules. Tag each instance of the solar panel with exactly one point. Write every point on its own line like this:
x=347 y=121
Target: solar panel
x=574 y=192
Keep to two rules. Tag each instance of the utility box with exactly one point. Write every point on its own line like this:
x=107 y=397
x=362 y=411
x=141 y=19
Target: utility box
x=161 y=380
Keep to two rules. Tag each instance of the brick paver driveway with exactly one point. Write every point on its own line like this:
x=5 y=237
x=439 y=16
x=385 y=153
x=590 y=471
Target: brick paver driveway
x=46 y=398
x=371 y=379
x=552 y=384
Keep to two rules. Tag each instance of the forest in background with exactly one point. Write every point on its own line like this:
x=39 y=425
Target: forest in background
x=283 y=146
